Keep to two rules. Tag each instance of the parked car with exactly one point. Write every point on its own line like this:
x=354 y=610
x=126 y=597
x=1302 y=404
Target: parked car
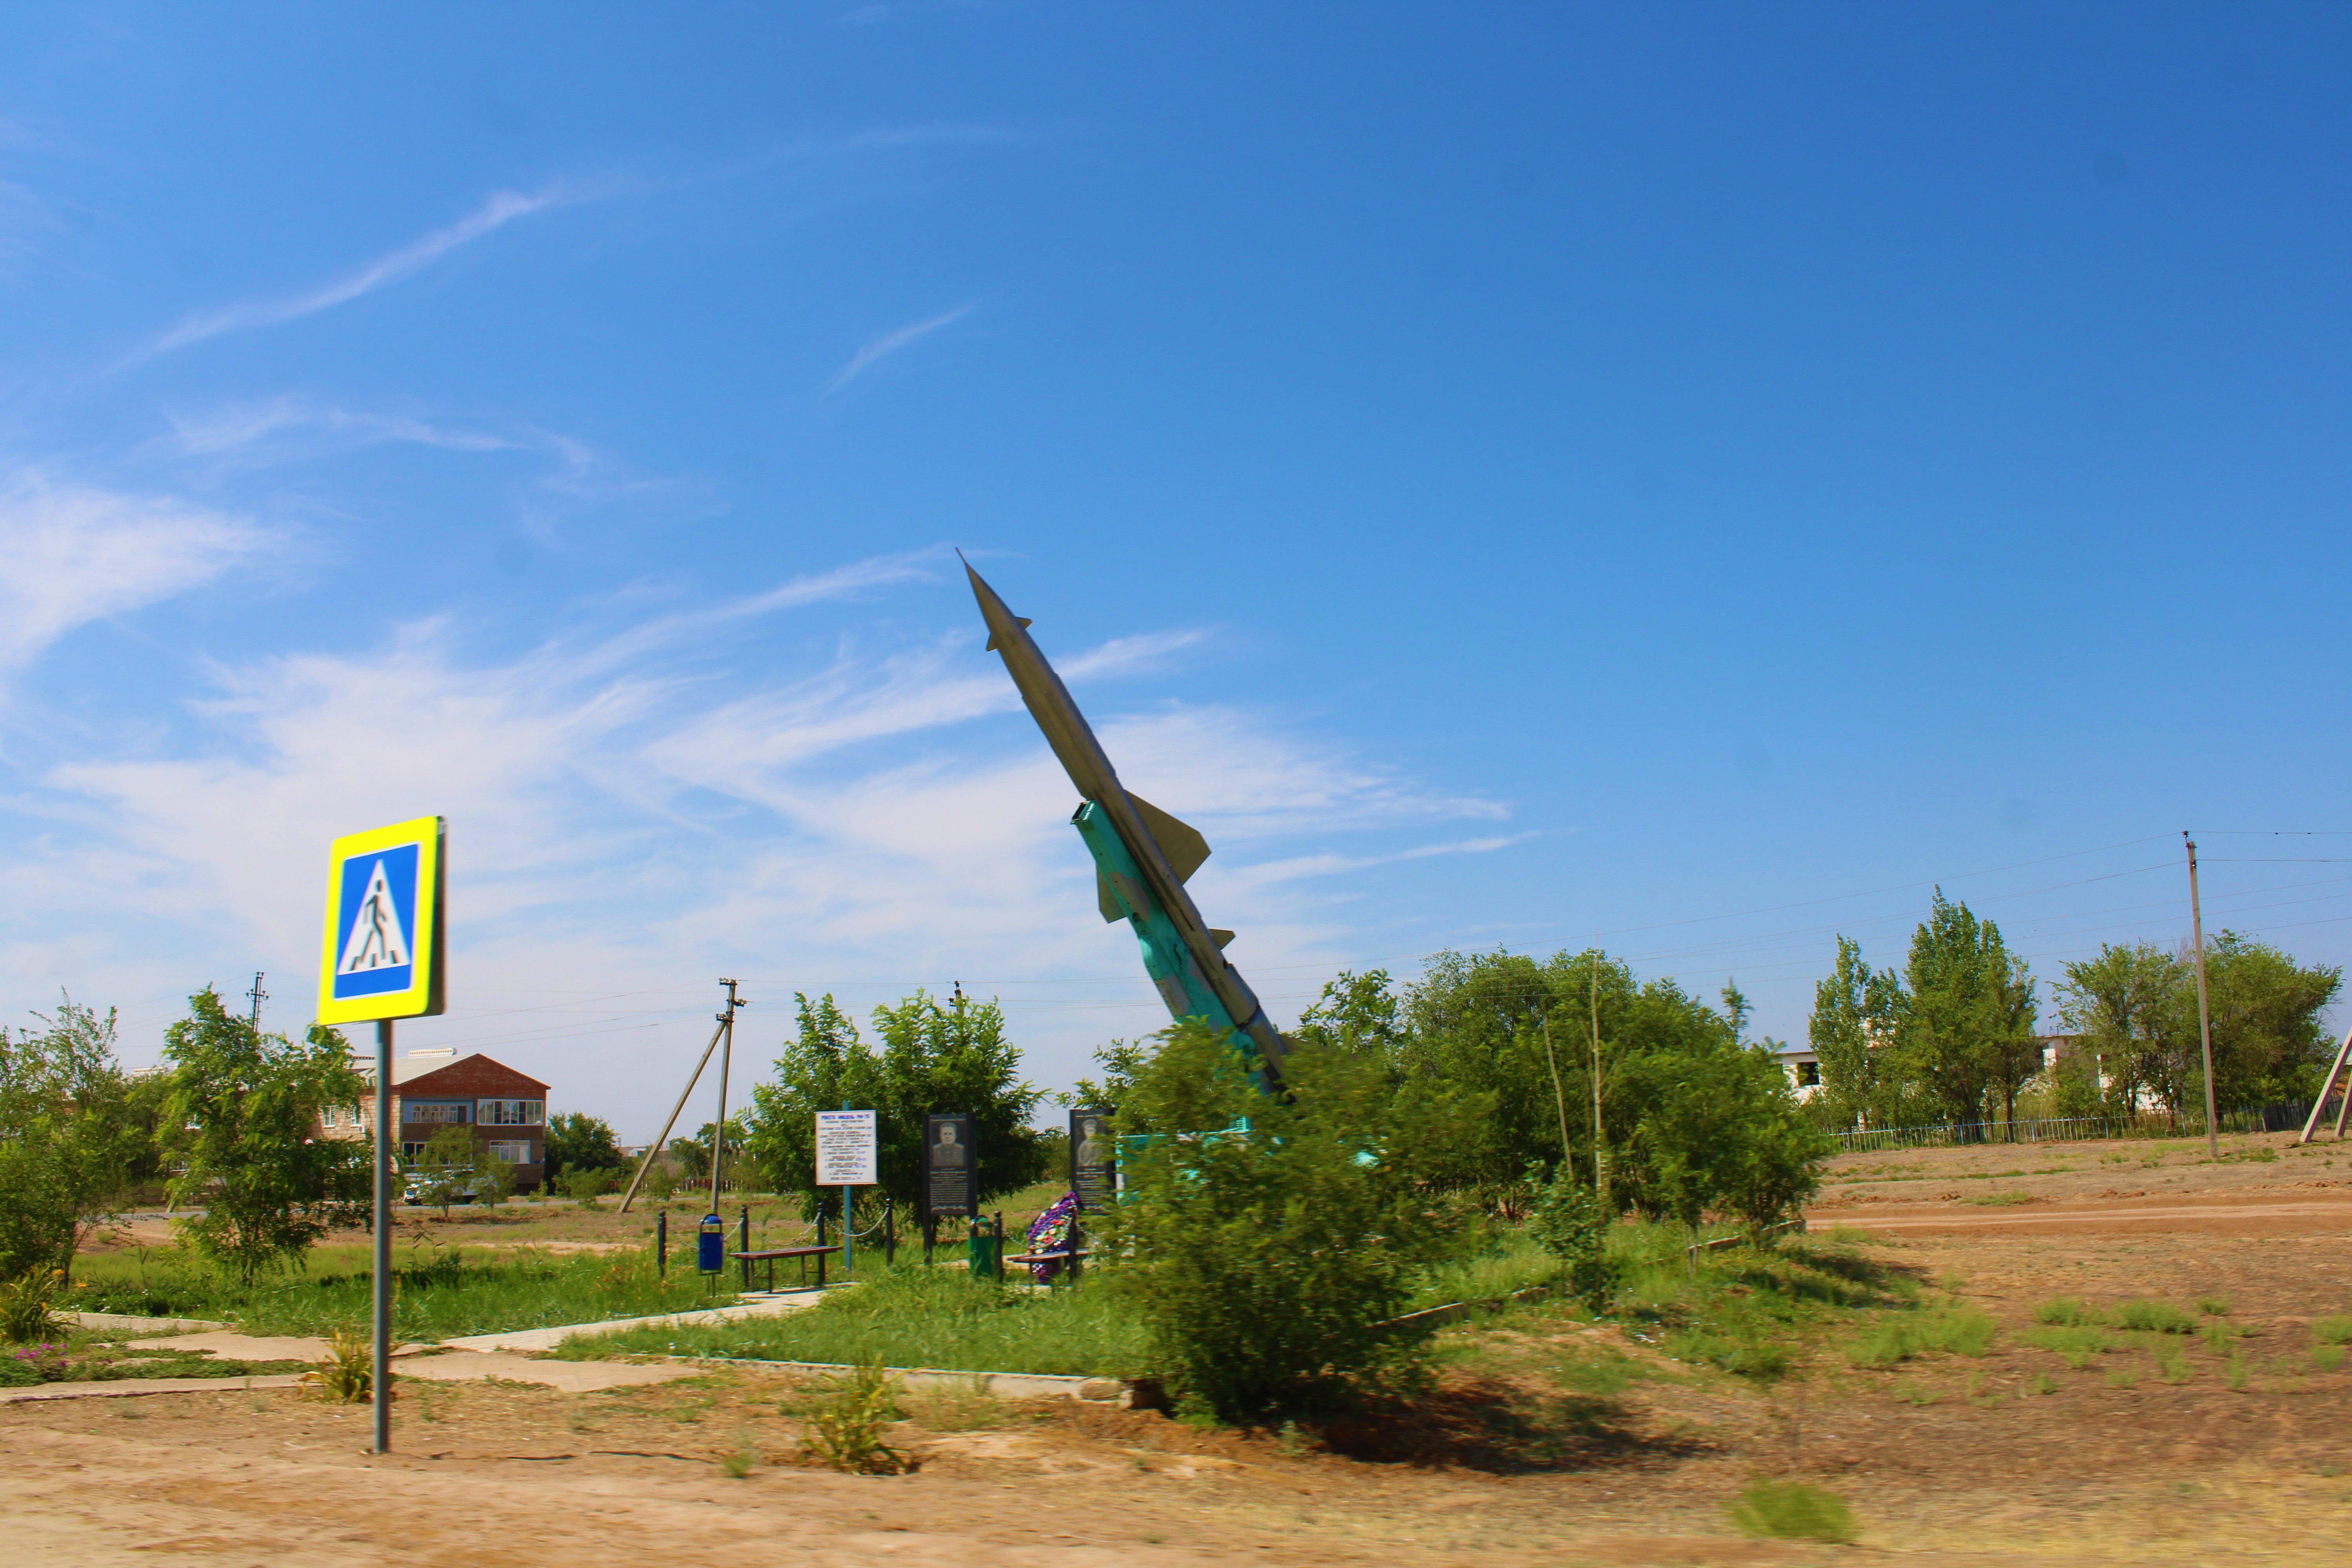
x=425 y=1187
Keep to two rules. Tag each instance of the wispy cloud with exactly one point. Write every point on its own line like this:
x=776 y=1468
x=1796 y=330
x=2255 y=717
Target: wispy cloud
x=280 y=428
x=888 y=344
x=502 y=208
x=628 y=816
x=76 y=554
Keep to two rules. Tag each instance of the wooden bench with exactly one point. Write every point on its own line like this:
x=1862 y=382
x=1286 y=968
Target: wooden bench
x=1063 y=1255
x=770 y=1254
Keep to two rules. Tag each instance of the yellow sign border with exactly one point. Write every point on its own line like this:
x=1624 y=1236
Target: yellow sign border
x=423 y=997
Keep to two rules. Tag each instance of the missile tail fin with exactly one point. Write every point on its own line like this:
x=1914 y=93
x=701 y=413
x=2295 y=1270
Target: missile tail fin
x=1181 y=842
x=992 y=636
x=1220 y=936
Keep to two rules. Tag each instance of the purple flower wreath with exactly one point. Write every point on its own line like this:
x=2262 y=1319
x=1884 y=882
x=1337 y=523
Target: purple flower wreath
x=1050 y=1232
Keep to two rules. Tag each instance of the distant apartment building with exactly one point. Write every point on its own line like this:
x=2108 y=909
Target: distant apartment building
x=1803 y=1063
x=432 y=1089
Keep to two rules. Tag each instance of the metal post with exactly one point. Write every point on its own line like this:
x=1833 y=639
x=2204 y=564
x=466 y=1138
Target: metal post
x=820 y=1241
x=743 y=1243
x=889 y=1234
x=380 y=1385
x=848 y=1234
x=2204 y=1016
x=661 y=1245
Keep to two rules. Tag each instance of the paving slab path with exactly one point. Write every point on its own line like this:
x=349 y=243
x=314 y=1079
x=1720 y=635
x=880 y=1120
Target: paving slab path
x=759 y=1304
x=127 y=1387
x=570 y=1376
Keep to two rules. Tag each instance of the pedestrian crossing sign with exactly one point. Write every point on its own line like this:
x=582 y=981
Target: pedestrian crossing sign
x=382 y=955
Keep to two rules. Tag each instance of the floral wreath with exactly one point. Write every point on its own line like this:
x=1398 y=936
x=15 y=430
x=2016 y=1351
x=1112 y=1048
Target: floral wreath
x=1050 y=1232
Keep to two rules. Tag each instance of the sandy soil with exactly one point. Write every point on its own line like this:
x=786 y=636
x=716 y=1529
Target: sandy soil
x=2234 y=1452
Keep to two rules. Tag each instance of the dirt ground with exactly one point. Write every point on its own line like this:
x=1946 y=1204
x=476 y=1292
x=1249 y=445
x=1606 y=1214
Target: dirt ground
x=2167 y=1449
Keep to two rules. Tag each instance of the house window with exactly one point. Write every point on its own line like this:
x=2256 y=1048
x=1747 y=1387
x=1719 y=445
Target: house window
x=1809 y=1074
x=327 y=1116
x=512 y=1153
x=412 y=1151
x=427 y=1111
x=511 y=1112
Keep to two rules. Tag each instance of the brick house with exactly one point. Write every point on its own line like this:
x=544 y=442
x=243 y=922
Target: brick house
x=435 y=1089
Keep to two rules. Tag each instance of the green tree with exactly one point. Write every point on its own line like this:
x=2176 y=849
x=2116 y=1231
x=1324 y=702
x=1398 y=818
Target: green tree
x=1266 y=1263
x=931 y=1059
x=1357 y=1013
x=66 y=1143
x=1120 y=1060
x=1968 y=1029
x=2125 y=1008
x=1856 y=1032
x=2269 y=1044
x=447 y=1169
x=579 y=1141
x=239 y=1115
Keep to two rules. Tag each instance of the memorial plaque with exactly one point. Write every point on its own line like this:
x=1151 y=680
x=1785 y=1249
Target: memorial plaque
x=845 y=1148
x=949 y=1179
x=1094 y=1159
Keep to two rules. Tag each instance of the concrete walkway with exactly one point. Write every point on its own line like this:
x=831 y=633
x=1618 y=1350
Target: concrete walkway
x=124 y=1323
x=125 y=1387
x=570 y=1376
x=758 y=1304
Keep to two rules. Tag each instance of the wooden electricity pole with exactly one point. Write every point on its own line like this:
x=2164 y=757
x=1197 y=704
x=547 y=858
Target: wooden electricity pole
x=1600 y=1180
x=2204 y=1014
x=726 y=1031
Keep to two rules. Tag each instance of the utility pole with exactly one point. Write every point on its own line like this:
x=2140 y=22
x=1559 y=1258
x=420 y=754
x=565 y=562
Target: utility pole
x=2204 y=1014
x=725 y=1031
x=257 y=996
x=726 y=1051
x=1599 y=1181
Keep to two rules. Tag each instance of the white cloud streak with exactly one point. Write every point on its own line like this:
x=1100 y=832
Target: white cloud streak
x=888 y=344
x=502 y=208
x=76 y=554
x=622 y=821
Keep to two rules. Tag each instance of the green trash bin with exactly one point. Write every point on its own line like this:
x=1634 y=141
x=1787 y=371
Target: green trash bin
x=985 y=1247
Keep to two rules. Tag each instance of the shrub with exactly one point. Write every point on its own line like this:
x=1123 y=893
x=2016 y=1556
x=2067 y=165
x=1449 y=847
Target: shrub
x=346 y=1374
x=2155 y=1317
x=2332 y=1331
x=1791 y=1510
x=1960 y=1332
x=1570 y=1222
x=1268 y=1242
x=2213 y=1305
x=585 y=1186
x=2067 y=1311
x=844 y=1430
x=27 y=1306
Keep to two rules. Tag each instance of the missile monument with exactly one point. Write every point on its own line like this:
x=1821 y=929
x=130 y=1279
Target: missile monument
x=1143 y=857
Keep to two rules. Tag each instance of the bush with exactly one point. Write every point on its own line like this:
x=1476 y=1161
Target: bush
x=1791 y=1510
x=586 y=1187
x=845 y=1430
x=2332 y=1331
x=346 y=1374
x=1268 y=1242
x=27 y=1306
x=2067 y=1311
x=1570 y=1222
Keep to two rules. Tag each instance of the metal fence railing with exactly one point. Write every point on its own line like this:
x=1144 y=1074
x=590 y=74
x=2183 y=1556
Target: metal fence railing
x=2281 y=1118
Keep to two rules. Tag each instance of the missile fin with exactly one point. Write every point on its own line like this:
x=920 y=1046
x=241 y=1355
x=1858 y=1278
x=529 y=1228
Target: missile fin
x=992 y=636
x=1179 y=842
x=1219 y=936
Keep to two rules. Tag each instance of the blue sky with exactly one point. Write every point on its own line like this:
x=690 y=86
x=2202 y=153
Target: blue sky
x=1688 y=477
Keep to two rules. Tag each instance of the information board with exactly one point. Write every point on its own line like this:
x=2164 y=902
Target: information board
x=948 y=1161
x=1094 y=1159
x=845 y=1148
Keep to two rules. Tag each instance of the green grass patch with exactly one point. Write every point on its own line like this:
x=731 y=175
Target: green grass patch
x=2000 y=1200
x=2067 y=1311
x=2333 y=1331
x=1791 y=1510
x=2077 y=1343
x=1753 y=1311
x=2327 y=1358
x=1952 y=1331
x=438 y=1292
x=916 y=1317
x=2155 y=1317
x=2213 y=1305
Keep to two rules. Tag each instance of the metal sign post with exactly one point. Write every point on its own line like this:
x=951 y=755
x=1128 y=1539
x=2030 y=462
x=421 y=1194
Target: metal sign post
x=383 y=957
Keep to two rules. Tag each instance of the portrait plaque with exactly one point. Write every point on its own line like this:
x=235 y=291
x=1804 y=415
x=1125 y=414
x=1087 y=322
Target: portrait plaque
x=1094 y=1159
x=949 y=1180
